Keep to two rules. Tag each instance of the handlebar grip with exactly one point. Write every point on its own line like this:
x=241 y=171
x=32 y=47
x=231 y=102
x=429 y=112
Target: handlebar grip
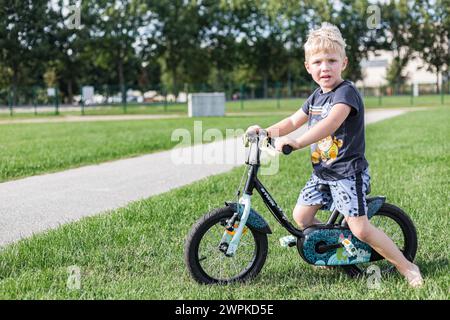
x=287 y=149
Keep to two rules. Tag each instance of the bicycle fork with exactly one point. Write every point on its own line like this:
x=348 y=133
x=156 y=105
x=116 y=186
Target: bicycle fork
x=229 y=242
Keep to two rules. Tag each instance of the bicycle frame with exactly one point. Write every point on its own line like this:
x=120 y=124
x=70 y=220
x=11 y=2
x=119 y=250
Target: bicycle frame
x=254 y=183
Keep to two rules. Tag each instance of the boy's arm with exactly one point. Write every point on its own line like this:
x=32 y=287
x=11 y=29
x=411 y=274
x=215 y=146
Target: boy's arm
x=288 y=125
x=325 y=127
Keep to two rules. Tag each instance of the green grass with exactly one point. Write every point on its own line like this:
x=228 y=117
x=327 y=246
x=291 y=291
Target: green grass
x=154 y=109
x=30 y=149
x=258 y=105
x=137 y=252
x=34 y=148
x=171 y=108
x=370 y=102
x=406 y=101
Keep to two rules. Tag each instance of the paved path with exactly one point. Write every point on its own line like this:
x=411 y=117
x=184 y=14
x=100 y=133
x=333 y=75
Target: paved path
x=38 y=203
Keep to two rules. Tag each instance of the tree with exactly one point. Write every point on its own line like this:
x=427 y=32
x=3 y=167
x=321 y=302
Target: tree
x=220 y=34
x=294 y=21
x=400 y=21
x=393 y=77
x=143 y=42
x=351 y=19
x=23 y=40
x=433 y=40
x=262 y=47
x=116 y=33
x=69 y=57
x=178 y=29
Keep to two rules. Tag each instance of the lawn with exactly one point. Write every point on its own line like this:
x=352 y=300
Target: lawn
x=30 y=149
x=137 y=252
x=370 y=102
x=256 y=105
x=34 y=148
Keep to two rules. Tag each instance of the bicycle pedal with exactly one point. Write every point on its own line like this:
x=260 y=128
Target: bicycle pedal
x=288 y=241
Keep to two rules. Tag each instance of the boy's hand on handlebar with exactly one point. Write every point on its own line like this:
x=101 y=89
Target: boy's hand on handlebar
x=280 y=142
x=253 y=130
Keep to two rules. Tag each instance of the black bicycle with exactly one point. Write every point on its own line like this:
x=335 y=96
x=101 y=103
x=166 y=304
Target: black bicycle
x=230 y=244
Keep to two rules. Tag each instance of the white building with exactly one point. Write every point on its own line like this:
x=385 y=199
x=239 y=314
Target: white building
x=374 y=71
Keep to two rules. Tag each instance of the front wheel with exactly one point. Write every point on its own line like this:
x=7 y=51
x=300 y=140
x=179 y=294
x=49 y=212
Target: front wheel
x=205 y=261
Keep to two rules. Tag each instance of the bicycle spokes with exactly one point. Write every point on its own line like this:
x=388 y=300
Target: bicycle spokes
x=213 y=258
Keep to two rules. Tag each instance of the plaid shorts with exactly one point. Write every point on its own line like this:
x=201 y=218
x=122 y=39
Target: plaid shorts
x=347 y=195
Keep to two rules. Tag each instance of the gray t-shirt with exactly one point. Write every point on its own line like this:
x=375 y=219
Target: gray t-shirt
x=341 y=154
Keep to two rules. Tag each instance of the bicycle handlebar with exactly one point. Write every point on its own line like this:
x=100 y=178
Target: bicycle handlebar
x=287 y=149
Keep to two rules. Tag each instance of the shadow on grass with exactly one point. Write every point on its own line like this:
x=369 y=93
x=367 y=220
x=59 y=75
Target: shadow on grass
x=433 y=267
x=304 y=274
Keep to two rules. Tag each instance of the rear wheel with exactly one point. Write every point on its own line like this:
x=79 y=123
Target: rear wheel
x=396 y=224
x=207 y=264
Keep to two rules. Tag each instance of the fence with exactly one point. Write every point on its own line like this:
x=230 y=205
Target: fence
x=108 y=99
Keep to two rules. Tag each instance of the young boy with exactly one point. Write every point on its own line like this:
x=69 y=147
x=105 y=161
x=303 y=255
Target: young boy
x=335 y=115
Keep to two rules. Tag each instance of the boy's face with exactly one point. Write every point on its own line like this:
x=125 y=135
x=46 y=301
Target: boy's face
x=326 y=68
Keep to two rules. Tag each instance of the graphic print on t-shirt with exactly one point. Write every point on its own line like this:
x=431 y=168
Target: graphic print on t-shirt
x=326 y=149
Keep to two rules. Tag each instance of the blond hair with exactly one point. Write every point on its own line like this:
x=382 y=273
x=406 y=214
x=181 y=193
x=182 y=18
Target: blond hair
x=326 y=38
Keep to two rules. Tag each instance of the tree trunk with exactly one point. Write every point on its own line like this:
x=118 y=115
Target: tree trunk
x=289 y=82
x=437 y=80
x=174 y=81
x=70 y=91
x=121 y=79
x=15 y=81
x=265 y=85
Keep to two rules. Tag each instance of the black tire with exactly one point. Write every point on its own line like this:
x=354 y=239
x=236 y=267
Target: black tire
x=216 y=220
x=399 y=227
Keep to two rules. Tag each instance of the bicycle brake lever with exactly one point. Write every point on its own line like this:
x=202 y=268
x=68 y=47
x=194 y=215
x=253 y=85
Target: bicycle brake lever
x=266 y=145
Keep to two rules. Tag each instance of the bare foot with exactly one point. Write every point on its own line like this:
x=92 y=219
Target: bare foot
x=414 y=277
